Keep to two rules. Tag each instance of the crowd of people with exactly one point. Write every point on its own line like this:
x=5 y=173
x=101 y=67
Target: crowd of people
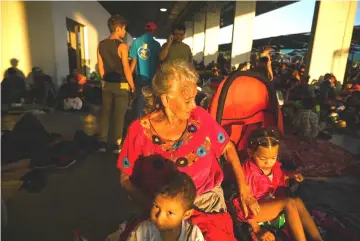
x=169 y=159
x=309 y=106
x=35 y=88
x=38 y=88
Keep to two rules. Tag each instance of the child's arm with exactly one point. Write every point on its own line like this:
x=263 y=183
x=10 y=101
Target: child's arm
x=254 y=225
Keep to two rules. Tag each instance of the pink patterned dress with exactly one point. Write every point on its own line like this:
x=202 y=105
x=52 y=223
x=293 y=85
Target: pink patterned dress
x=147 y=158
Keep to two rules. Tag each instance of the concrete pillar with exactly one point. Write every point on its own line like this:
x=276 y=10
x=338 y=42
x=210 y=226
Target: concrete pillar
x=242 y=32
x=199 y=37
x=330 y=39
x=189 y=25
x=212 y=28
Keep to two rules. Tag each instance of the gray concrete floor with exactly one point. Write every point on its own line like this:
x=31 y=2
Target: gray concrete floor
x=87 y=197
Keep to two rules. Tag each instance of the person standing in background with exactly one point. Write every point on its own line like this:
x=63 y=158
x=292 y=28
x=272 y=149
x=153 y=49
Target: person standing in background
x=174 y=48
x=115 y=71
x=144 y=54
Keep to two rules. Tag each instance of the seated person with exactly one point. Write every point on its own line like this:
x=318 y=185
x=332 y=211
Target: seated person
x=70 y=89
x=14 y=66
x=306 y=121
x=351 y=87
x=13 y=89
x=264 y=175
x=296 y=75
x=80 y=78
x=283 y=70
x=306 y=90
x=42 y=85
x=291 y=93
x=215 y=78
x=351 y=114
x=327 y=88
x=172 y=207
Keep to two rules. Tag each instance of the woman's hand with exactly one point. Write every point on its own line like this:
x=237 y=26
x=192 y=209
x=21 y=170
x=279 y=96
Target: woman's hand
x=248 y=201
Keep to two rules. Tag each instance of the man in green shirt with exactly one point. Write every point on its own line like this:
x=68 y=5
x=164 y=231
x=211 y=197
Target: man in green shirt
x=174 y=48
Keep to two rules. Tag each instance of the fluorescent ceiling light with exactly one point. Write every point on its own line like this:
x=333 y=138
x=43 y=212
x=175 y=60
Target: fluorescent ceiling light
x=163 y=9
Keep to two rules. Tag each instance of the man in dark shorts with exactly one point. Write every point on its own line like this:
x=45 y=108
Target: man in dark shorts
x=114 y=69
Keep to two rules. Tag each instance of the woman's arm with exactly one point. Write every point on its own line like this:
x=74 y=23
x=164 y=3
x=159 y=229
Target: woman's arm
x=123 y=53
x=134 y=193
x=246 y=198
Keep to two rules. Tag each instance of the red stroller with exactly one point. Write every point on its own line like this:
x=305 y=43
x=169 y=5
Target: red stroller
x=243 y=102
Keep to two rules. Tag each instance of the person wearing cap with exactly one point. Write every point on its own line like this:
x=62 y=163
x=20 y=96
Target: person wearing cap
x=144 y=54
x=174 y=48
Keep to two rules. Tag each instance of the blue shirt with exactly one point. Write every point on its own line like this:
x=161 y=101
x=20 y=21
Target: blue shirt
x=145 y=50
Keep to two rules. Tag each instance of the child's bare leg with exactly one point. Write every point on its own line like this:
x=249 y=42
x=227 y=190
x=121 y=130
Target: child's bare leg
x=307 y=221
x=264 y=236
x=270 y=209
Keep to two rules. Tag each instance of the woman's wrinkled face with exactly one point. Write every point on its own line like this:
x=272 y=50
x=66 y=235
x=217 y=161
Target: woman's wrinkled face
x=182 y=101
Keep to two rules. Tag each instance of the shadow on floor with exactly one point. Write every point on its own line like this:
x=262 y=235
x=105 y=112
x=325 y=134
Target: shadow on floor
x=86 y=197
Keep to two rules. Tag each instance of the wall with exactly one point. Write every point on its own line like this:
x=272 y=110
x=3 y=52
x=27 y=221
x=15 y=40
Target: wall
x=212 y=27
x=242 y=32
x=14 y=33
x=41 y=36
x=90 y=14
x=329 y=51
x=199 y=37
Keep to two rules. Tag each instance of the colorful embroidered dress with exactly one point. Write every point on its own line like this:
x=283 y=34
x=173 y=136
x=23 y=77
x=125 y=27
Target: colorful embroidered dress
x=146 y=157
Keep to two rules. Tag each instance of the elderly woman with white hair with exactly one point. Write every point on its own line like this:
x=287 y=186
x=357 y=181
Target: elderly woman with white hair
x=178 y=134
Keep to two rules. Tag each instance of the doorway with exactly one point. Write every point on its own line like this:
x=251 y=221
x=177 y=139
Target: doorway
x=75 y=46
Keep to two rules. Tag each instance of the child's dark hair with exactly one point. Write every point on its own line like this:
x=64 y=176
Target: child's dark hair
x=181 y=186
x=308 y=103
x=265 y=137
x=116 y=21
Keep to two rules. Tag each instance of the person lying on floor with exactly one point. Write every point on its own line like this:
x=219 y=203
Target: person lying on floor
x=264 y=175
x=171 y=209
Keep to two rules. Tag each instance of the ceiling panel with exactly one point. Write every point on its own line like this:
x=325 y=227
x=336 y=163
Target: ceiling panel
x=138 y=13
